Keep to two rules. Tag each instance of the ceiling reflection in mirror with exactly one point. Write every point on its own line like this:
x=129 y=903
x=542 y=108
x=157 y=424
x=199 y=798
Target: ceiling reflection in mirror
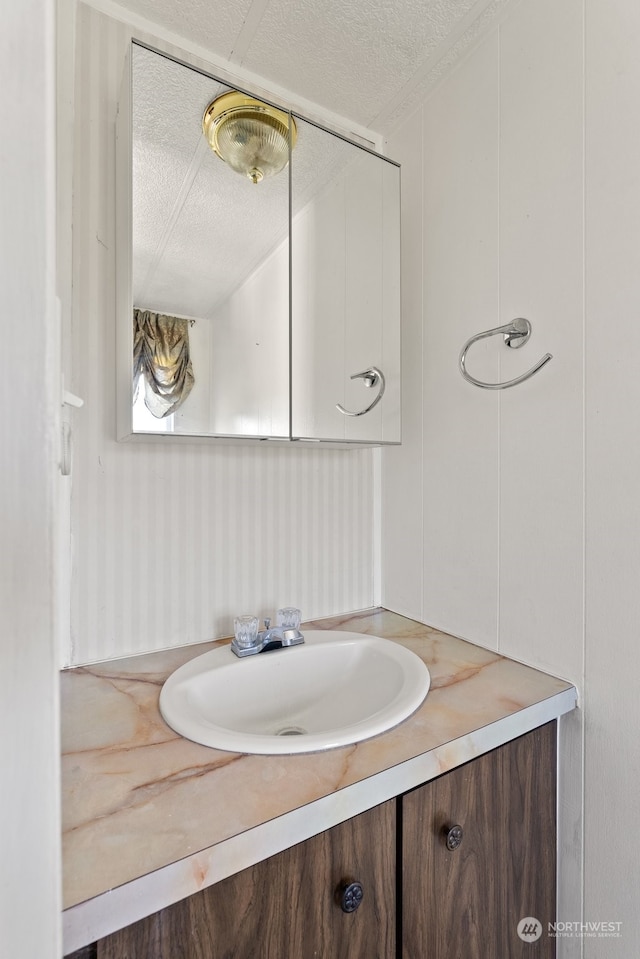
x=210 y=245
x=199 y=229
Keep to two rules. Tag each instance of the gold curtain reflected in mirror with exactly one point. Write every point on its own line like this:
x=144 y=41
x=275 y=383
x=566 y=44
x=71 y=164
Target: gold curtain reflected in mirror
x=161 y=361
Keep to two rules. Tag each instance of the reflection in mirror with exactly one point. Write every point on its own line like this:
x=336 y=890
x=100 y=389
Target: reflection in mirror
x=345 y=244
x=283 y=263
x=210 y=246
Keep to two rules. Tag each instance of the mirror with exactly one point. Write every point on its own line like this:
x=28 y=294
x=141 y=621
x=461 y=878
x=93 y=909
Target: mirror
x=281 y=289
x=345 y=249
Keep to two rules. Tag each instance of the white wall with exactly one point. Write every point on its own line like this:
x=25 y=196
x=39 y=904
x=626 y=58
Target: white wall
x=170 y=542
x=250 y=353
x=511 y=518
x=612 y=259
x=29 y=389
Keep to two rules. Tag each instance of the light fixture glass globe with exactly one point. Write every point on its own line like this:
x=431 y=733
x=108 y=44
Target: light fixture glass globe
x=250 y=136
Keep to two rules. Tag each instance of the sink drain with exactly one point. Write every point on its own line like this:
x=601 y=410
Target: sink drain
x=291 y=731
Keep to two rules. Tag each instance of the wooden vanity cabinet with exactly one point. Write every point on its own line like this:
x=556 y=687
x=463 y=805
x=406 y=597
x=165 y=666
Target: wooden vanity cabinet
x=467 y=900
x=287 y=907
x=435 y=902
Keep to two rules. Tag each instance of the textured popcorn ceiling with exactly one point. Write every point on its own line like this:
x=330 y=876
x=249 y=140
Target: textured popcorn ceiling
x=371 y=61
x=200 y=229
x=368 y=60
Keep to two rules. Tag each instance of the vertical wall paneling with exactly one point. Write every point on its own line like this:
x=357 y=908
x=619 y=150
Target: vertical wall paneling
x=456 y=288
x=461 y=181
x=402 y=509
x=488 y=486
x=612 y=770
x=170 y=542
x=501 y=227
x=31 y=528
x=542 y=435
x=541 y=278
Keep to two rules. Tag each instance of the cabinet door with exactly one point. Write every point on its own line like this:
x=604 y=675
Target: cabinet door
x=285 y=907
x=468 y=902
x=345 y=290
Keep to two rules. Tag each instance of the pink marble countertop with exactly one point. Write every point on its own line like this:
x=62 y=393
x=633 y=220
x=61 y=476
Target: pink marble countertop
x=137 y=797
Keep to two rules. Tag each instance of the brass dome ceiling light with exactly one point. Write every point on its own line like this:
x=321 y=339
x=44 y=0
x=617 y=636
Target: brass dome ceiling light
x=250 y=136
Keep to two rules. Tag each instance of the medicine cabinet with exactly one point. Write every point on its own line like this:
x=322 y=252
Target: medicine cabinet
x=288 y=289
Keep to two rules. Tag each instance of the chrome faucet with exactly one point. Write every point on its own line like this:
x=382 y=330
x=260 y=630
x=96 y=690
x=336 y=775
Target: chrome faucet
x=271 y=637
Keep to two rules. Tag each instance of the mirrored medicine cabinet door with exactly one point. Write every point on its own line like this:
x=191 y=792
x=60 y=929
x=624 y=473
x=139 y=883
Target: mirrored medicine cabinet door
x=254 y=302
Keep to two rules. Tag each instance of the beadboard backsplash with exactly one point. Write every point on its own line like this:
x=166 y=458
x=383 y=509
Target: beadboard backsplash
x=169 y=542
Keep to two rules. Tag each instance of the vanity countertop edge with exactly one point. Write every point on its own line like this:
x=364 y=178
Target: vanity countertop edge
x=150 y=818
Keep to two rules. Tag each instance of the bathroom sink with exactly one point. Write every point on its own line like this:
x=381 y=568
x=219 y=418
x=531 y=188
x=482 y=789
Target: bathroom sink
x=335 y=689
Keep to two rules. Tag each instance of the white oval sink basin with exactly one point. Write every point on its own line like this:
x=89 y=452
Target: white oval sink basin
x=335 y=689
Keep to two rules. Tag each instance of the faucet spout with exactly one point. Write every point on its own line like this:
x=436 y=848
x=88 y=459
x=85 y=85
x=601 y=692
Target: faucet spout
x=275 y=637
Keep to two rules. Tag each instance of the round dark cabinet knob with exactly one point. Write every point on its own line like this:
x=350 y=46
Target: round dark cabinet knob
x=453 y=837
x=349 y=895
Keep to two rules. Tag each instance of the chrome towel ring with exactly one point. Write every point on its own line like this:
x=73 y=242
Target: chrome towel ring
x=372 y=377
x=516 y=334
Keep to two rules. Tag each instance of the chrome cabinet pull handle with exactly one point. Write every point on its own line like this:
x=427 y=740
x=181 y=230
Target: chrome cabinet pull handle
x=516 y=334
x=372 y=377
